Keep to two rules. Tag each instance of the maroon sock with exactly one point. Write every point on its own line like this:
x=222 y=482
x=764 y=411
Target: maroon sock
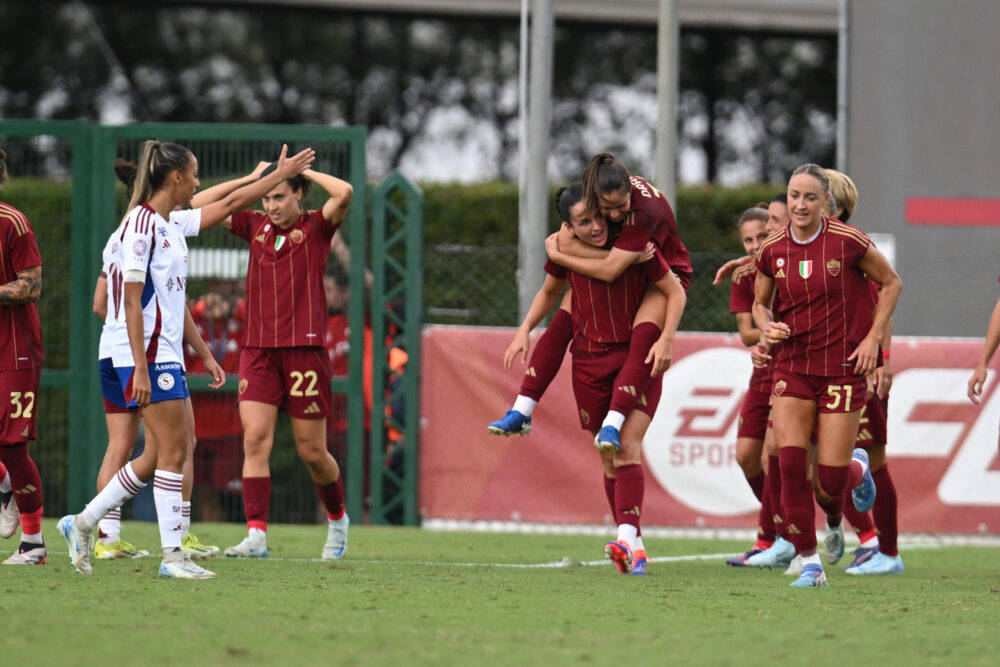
x=256 y=499
x=855 y=473
x=548 y=356
x=774 y=489
x=633 y=378
x=861 y=522
x=757 y=485
x=885 y=511
x=832 y=480
x=332 y=495
x=25 y=481
x=630 y=486
x=609 y=492
x=765 y=519
x=797 y=499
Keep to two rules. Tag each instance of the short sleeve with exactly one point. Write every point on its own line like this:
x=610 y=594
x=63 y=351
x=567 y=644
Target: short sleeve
x=137 y=242
x=763 y=262
x=656 y=267
x=24 y=251
x=189 y=221
x=555 y=270
x=636 y=232
x=241 y=224
x=741 y=296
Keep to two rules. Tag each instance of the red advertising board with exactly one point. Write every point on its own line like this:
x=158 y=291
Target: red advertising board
x=942 y=449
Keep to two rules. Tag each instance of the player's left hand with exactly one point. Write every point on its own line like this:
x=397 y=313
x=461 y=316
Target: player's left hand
x=552 y=245
x=883 y=379
x=660 y=355
x=218 y=375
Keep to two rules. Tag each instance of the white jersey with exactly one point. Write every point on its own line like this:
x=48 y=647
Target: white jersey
x=113 y=273
x=158 y=249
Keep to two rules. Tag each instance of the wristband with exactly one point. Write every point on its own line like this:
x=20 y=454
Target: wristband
x=885 y=355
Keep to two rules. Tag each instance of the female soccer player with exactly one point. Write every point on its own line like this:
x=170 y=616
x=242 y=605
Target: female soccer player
x=21 y=355
x=818 y=266
x=645 y=216
x=150 y=303
x=283 y=364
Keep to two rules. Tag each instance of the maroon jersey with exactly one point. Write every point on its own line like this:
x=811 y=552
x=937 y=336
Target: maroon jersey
x=20 y=330
x=823 y=297
x=603 y=312
x=285 y=300
x=741 y=298
x=650 y=218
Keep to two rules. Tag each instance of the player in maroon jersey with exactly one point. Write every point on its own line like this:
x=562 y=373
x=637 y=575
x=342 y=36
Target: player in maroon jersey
x=283 y=364
x=645 y=216
x=21 y=355
x=777 y=218
x=818 y=267
x=978 y=378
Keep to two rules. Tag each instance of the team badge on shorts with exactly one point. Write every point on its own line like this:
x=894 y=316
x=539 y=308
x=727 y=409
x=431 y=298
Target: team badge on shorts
x=243 y=385
x=779 y=387
x=165 y=381
x=584 y=417
x=833 y=267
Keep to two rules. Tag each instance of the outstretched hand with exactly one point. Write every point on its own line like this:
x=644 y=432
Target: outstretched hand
x=519 y=345
x=289 y=167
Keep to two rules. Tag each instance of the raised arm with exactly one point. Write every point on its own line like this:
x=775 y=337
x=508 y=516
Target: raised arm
x=877 y=267
x=220 y=191
x=989 y=348
x=340 y=193
x=25 y=289
x=219 y=211
x=543 y=303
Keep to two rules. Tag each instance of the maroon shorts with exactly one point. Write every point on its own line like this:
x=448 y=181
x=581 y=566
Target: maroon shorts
x=831 y=394
x=874 y=417
x=296 y=379
x=594 y=379
x=19 y=394
x=754 y=414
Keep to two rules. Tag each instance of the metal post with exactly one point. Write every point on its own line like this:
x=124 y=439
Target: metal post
x=668 y=50
x=531 y=230
x=843 y=62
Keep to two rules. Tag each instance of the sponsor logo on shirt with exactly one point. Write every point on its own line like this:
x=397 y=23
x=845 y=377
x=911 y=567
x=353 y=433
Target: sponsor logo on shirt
x=166 y=243
x=833 y=266
x=260 y=238
x=313 y=409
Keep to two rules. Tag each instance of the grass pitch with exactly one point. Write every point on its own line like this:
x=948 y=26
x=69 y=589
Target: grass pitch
x=416 y=597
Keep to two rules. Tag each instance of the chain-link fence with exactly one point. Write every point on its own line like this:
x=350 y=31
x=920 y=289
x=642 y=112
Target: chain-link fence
x=477 y=285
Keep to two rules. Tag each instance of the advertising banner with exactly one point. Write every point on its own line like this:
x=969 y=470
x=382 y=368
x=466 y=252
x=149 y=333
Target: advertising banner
x=942 y=449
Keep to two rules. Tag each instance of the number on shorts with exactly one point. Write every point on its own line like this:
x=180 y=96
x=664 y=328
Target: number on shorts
x=297 y=386
x=835 y=390
x=20 y=410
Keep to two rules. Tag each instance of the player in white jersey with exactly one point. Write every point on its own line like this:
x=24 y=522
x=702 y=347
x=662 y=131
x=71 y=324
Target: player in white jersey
x=122 y=421
x=153 y=256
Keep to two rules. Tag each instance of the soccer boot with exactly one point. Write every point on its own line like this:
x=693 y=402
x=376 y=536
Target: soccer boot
x=28 y=554
x=778 y=554
x=9 y=516
x=178 y=565
x=193 y=547
x=77 y=538
x=741 y=560
x=512 y=423
x=619 y=553
x=252 y=546
x=336 y=539
x=608 y=439
x=118 y=549
x=880 y=563
x=863 y=495
x=862 y=555
x=639 y=562
x=795 y=567
x=812 y=575
x=833 y=543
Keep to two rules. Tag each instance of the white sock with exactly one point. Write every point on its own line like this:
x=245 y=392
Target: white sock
x=185 y=517
x=637 y=546
x=814 y=559
x=168 y=499
x=111 y=526
x=615 y=419
x=871 y=543
x=524 y=405
x=258 y=536
x=33 y=538
x=5 y=482
x=627 y=533
x=123 y=486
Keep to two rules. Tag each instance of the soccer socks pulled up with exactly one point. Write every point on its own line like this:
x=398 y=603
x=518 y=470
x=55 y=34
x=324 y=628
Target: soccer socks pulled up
x=547 y=357
x=773 y=479
x=123 y=486
x=110 y=527
x=885 y=511
x=630 y=487
x=185 y=517
x=609 y=493
x=631 y=382
x=25 y=481
x=861 y=522
x=832 y=480
x=797 y=499
x=256 y=500
x=168 y=499
x=765 y=518
x=332 y=496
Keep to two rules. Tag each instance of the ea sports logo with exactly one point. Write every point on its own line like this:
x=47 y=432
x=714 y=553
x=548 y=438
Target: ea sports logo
x=691 y=444
x=165 y=381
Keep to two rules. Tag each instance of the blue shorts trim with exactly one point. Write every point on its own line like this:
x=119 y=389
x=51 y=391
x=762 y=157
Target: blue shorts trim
x=167 y=381
x=111 y=386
